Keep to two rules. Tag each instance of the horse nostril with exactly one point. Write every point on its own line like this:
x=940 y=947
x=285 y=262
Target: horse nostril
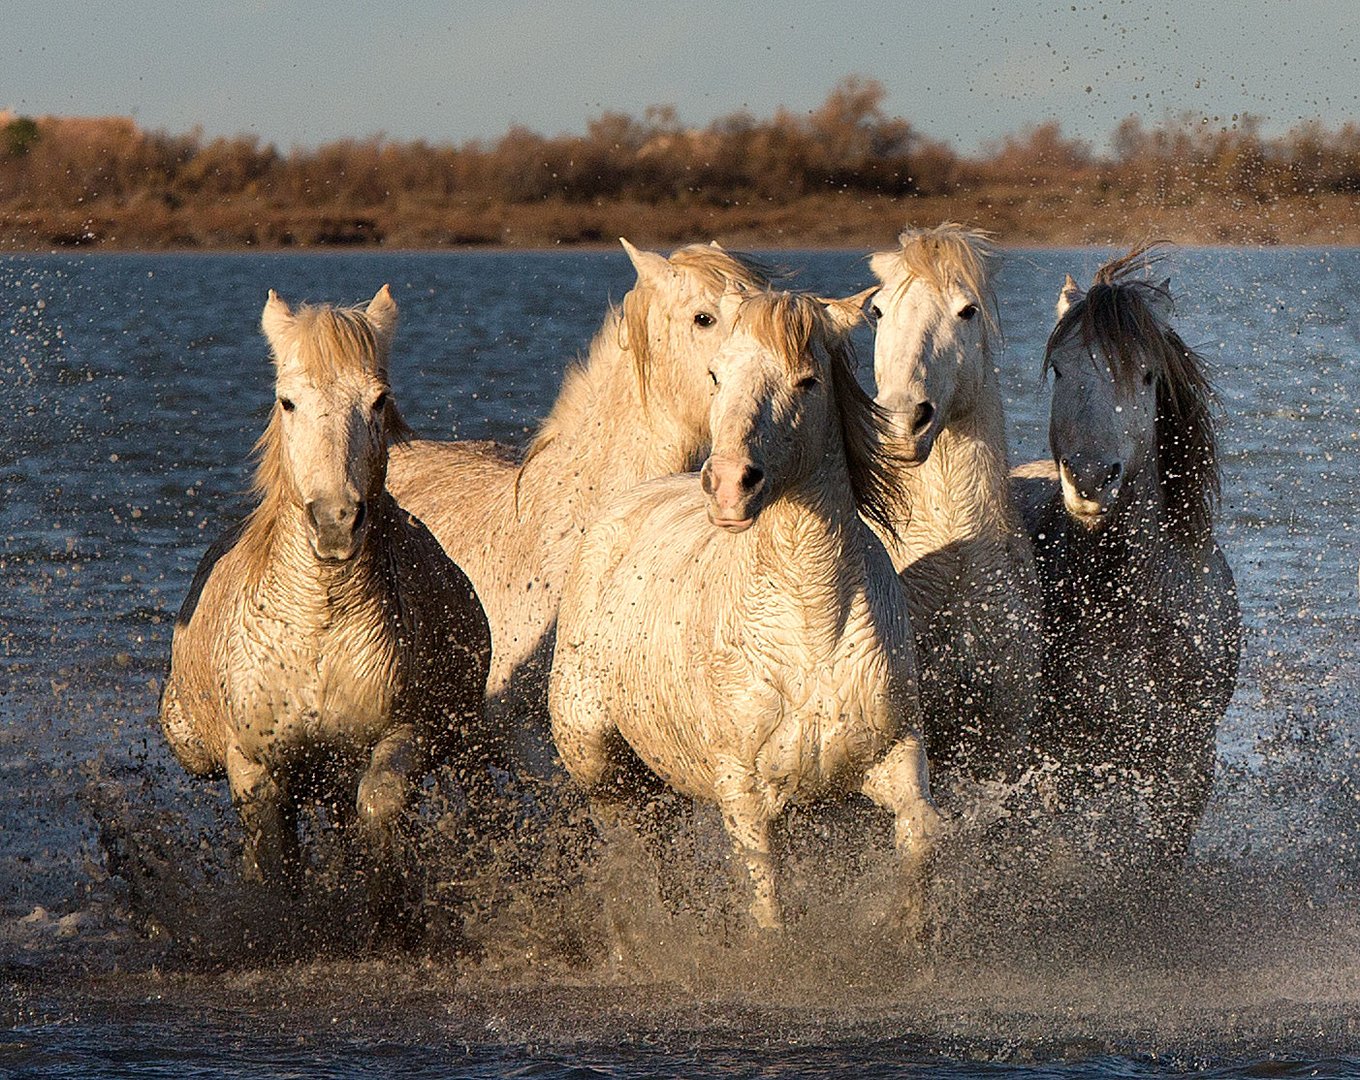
x=925 y=412
x=360 y=512
x=1112 y=477
x=706 y=479
x=310 y=507
x=751 y=478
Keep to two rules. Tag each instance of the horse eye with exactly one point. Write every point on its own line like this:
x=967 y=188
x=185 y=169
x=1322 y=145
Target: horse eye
x=287 y=404
x=713 y=376
x=703 y=318
x=807 y=382
x=380 y=401
x=874 y=313
x=967 y=311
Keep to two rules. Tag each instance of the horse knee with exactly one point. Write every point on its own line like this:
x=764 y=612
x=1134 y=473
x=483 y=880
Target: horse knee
x=584 y=751
x=382 y=796
x=262 y=803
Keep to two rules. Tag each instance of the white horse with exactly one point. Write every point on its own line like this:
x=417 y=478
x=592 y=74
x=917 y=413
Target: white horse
x=957 y=539
x=742 y=630
x=327 y=645
x=637 y=408
x=1142 y=624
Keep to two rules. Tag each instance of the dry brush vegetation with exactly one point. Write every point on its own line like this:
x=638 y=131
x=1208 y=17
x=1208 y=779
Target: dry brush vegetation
x=845 y=173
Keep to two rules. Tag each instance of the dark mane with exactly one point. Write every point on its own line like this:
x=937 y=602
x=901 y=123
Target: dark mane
x=1117 y=317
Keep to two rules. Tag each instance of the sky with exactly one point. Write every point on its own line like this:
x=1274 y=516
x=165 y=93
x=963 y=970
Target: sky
x=303 y=72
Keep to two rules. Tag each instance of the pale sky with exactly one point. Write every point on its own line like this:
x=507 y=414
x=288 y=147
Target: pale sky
x=301 y=72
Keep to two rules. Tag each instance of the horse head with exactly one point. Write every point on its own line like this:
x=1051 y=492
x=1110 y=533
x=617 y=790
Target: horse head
x=1118 y=371
x=326 y=445
x=672 y=324
x=784 y=404
x=931 y=317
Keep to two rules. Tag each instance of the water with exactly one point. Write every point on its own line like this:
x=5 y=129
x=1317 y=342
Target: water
x=135 y=388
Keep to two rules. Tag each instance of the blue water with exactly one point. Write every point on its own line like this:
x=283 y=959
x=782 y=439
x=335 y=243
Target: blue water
x=135 y=387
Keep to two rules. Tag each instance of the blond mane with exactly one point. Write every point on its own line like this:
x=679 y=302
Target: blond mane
x=1117 y=317
x=799 y=330
x=947 y=256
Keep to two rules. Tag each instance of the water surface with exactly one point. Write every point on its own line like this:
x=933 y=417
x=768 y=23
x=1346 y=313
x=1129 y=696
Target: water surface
x=136 y=385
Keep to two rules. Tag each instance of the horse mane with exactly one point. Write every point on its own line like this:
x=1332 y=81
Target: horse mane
x=326 y=342
x=798 y=329
x=948 y=255
x=1117 y=317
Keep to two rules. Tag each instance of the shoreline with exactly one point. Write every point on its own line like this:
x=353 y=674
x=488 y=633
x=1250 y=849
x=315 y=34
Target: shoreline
x=1015 y=219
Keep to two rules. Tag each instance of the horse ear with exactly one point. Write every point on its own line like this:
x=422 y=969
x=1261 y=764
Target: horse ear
x=1068 y=295
x=275 y=320
x=846 y=314
x=730 y=301
x=648 y=264
x=717 y=246
x=1160 y=300
x=382 y=313
x=882 y=263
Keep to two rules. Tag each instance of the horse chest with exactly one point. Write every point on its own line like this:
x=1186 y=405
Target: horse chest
x=824 y=712
x=307 y=685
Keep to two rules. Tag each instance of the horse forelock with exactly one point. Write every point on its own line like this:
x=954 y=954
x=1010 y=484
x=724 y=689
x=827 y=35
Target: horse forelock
x=329 y=342
x=798 y=329
x=949 y=256
x=1117 y=320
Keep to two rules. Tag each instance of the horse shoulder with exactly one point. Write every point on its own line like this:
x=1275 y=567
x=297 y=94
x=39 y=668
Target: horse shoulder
x=195 y=702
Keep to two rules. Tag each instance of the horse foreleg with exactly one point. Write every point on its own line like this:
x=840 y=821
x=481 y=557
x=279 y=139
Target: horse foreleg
x=267 y=813
x=746 y=818
x=385 y=791
x=900 y=784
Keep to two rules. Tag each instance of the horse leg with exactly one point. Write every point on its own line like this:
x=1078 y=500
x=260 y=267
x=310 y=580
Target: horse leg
x=900 y=784
x=747 y=821
x=385 y=791
x=1179 y=804
x=270 y=820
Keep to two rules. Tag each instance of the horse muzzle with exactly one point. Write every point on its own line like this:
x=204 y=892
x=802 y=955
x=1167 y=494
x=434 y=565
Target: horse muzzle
x=1090 y=489
x=735 y=491
x=336 y=528
x=916 y=432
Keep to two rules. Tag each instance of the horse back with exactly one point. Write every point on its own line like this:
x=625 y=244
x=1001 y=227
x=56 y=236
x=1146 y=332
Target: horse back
x=1034 y=486
x=460 y=491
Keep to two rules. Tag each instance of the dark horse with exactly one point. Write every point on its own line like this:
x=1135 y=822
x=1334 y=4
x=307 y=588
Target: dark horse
x=1141 y=623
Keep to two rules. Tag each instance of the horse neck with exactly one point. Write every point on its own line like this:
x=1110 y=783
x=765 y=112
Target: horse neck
x=1132 y=554
x=961 y=493
x=602 y=439
x=280 y=560
x=810 y=544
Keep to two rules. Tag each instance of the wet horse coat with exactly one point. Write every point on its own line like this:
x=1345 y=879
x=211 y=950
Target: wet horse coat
x=957 y=538
x=1142 y=629
x=742 y=631
x=328 y=646
x=635 y=409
